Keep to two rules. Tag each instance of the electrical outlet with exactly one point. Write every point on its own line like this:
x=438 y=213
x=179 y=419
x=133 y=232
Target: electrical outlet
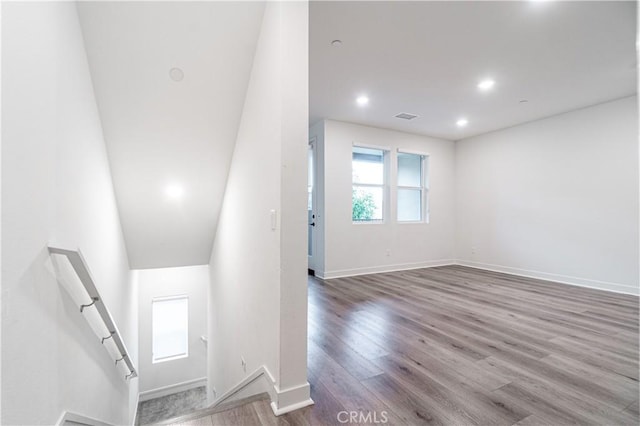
x=388 y=253
x=473 y=250
x=244 y=364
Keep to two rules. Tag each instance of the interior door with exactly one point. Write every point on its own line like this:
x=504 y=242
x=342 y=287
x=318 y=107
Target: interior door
x=311 y=205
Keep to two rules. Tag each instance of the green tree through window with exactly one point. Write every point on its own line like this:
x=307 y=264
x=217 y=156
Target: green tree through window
x=363 y=205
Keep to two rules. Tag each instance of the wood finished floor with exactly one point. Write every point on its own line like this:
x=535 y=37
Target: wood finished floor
x=460 y=346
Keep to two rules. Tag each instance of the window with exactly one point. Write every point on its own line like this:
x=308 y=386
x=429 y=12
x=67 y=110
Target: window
x=412 y=188
x=368 y=172
x=169 y=323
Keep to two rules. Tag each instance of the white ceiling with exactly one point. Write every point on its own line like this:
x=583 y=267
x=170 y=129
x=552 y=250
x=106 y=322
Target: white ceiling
x=161 y=132
x=418 y=57
x=426 y=58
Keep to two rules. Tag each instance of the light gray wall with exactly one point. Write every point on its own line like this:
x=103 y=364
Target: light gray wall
x=56 y=188
x=555 y=198
x=258 y=274
x=192 y=281
x=352 y=249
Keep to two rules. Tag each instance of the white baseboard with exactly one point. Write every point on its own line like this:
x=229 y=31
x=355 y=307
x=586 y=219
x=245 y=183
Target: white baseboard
x=291 y=399
x=562 y=279
x=327 y=275
x=168 y=390
x=68 y=416
x=260 y=381
x=289 y=408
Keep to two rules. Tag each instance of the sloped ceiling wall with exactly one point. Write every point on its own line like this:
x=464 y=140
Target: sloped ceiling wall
x=162 y=133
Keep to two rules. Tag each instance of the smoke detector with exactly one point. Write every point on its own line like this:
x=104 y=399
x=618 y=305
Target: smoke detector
x=176 y=74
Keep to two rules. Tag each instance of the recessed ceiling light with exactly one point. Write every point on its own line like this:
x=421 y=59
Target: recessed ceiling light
x=174 y=192
x=486 y=84
x=523 y=101
x=176 y=74
x=462 y=122
x=336 y=43
x=362 y=100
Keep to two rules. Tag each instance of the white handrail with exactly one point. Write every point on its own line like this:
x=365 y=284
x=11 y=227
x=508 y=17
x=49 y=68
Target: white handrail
x=82 y=270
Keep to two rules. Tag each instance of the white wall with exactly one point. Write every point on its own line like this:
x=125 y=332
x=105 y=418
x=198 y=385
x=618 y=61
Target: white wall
x=192 y=281
x=56 y=187
x=352 y=249
x=1 y=292
x=292 y=386
x=258 y=274
x=555 y=198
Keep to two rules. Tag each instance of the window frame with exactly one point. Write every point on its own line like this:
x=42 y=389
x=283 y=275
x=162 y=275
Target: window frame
x=424 y=188
x=385 y=184
x=173 y=357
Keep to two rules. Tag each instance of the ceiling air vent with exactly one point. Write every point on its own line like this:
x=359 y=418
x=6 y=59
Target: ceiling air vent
x=406 y=116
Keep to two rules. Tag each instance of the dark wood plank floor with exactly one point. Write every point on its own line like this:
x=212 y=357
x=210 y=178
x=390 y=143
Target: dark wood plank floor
x=461 y=346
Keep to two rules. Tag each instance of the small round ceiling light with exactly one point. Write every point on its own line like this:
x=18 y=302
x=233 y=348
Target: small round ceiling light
x=362 y=100
x=336 y=43
x=176 y=74
x=486 y=85
x=174 y=192
x=462 y=122
x=523 y=101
